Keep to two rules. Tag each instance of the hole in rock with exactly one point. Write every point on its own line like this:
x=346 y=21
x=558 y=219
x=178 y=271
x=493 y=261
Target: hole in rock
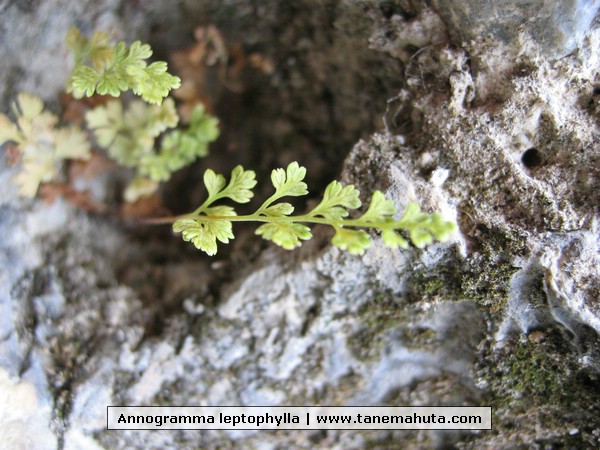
x=531 y=158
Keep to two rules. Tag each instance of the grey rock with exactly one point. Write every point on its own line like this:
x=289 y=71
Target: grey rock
x=93 y=313
x=558 y=27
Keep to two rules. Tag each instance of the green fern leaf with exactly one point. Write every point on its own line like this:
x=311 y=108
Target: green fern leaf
x=289 y=182
x=393 y=239
x=183 y=146
x=138 y=52
x=422 y=227
x=71 y=143
x=279 y=210
x=43 y=145
x=335 y=199
x=203 y=126
x=112 y=70
x=240 y=185
x=286 y=235
x=29 y=106
x=84 y=80
x=379 y=209
x=214 y=182
x=109 y=84
x=289 y=231
x=129 y=137
x=355 y=241
x=205 y=233
x=153 y=83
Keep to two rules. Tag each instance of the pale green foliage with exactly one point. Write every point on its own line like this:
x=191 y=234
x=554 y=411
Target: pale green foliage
x=208 y=224
x=379 y=209
x=286 y=235
x=423 y=227
x=289 y=182
x=355 y=241
x=335 y=199
x=129 y=137
x=104 y=69
x=182 y=147
x=205 y=233
x=239 y=188
x=42 y=144
x=139 y=187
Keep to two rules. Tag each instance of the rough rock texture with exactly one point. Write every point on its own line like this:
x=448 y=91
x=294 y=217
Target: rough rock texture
x=506 y=314
x=557 y=26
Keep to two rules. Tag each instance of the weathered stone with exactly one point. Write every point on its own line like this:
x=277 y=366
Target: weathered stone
x=557 y=26
x=505 y=314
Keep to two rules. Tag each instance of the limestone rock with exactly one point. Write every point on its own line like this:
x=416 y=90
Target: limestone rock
x=94 y=312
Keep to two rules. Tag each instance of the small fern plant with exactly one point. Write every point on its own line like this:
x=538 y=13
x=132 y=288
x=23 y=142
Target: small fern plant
x=129 y=135
x=210 y=223
x=41 y=144
x=109 y=70
x=129 y=138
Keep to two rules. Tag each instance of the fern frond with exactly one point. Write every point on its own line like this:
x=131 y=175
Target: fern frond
x=105 y=69
x=42 y=145
x=129 y=137
x=208 y=224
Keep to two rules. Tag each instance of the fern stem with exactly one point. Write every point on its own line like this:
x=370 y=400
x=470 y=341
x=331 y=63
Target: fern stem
x=354 y=223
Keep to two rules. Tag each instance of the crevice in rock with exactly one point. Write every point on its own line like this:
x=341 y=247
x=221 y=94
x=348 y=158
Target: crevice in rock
x=327 y=90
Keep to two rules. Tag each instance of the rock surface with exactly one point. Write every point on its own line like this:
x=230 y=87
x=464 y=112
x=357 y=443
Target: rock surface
x=506 y=314
x=556 y=26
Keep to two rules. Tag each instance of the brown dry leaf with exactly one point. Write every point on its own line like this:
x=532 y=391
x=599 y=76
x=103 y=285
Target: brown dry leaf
x=92 y=168
x=49 y=192
x=211 y=48
x=13 y=154
x=198 y=66
x=206 y=68
x=233 y=75
x=147 y=206
x=210 y=65
x=74 y=110
x=262 y=63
